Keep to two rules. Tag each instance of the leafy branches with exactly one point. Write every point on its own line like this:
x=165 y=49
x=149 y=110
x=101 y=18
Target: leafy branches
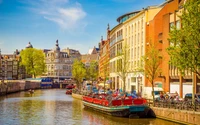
x=151 y=62
x=78 y=72
x=184 y=47
x=33 y=60
x=123 y=65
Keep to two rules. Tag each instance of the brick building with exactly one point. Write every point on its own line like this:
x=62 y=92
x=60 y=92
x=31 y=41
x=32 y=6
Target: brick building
x=157 y=33
x=104 y=57
x=10 y=67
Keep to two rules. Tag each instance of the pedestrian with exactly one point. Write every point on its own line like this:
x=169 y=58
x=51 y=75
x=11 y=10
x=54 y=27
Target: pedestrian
x=176 y=96
x=161 y=96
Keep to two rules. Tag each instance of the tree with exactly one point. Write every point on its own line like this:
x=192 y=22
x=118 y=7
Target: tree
x=78 y=72
x=151 y=62
x=184 y=47
x=105 y=74
x=123 y=65
x=92 y=72
x=34 y=61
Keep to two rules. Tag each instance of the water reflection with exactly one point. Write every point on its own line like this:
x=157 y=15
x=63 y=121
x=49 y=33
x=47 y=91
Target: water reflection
x=101 y=119
x=54 y=107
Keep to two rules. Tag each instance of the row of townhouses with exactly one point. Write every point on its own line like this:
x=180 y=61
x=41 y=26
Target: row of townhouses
x=139 y=30
x=58 y=63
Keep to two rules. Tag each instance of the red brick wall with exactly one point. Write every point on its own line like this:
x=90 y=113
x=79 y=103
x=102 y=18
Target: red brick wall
x=160 y=24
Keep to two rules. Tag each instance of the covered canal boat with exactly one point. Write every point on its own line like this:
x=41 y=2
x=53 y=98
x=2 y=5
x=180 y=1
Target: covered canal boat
x=121 y=107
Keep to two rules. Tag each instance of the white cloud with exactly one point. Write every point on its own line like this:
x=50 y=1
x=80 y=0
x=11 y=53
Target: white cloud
x=68 y=16
x=74 y=14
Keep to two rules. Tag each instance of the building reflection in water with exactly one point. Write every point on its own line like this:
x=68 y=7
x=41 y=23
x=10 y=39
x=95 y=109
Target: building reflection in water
x=94 y=117
x=54 y=107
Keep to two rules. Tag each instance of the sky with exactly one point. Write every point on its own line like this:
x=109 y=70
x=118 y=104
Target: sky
x=77 y=24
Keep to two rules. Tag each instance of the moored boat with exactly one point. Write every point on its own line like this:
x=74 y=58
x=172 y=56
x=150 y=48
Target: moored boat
x=127 y=107
x=69 y=91
x=69 y=88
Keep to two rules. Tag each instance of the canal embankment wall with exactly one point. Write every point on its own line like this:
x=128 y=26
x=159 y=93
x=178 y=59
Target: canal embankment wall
x=77 y=96
x=176 y=115
x=15 y=86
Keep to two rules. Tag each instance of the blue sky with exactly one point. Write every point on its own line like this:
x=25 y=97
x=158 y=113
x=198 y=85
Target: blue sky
x=77 y=24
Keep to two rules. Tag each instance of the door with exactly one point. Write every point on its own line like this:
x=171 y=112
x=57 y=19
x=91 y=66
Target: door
x=133 y=88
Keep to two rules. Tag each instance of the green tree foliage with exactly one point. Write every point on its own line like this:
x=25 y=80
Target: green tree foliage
x=151 y=62
x=92 y=72
x=78 y=72
x=184 y=47
x=123 y=65
x=34 y=61
x=105 y=75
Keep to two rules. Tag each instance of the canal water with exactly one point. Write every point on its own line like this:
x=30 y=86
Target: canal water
x=54 y=107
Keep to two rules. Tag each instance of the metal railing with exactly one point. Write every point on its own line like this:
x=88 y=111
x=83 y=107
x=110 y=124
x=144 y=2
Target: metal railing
x=181 y=105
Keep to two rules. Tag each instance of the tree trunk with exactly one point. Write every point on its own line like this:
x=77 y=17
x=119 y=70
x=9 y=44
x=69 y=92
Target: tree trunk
x=34 y=75
x=104 y=86
x=91 y=87
x=153 y=93
x=77 y=84
x=124 y=80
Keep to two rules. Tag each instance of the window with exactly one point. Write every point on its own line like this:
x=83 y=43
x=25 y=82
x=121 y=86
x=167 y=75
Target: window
x=142 y=24
x=171 y=25
x=135 y=53
x=178 y=25
x=138 y=26
x=135 y=27
x=56 y=60
x=132 y=28
x=133 y=79
x=132 y=53
x=135 y=39
x=132 y=41
x=142 y=37
x=141 y=50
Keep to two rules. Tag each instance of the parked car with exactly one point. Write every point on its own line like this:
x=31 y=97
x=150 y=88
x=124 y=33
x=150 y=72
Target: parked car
x=188 y=97
x=198 y=97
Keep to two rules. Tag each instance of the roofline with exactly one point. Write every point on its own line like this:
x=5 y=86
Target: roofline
x=114 y=28
x=118 y=19
x=165 y=2
x=137 y=11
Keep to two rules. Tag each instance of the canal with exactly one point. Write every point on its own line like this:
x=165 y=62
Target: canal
x=54 y=107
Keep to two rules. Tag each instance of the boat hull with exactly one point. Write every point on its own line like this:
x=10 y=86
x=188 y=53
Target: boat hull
x=133 y=111
x=69 y=91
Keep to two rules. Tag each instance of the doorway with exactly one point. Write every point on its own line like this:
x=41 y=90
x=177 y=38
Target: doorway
x=133 y=88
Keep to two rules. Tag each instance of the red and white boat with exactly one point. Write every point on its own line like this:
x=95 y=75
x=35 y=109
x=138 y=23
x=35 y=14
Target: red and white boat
x=127 y=107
